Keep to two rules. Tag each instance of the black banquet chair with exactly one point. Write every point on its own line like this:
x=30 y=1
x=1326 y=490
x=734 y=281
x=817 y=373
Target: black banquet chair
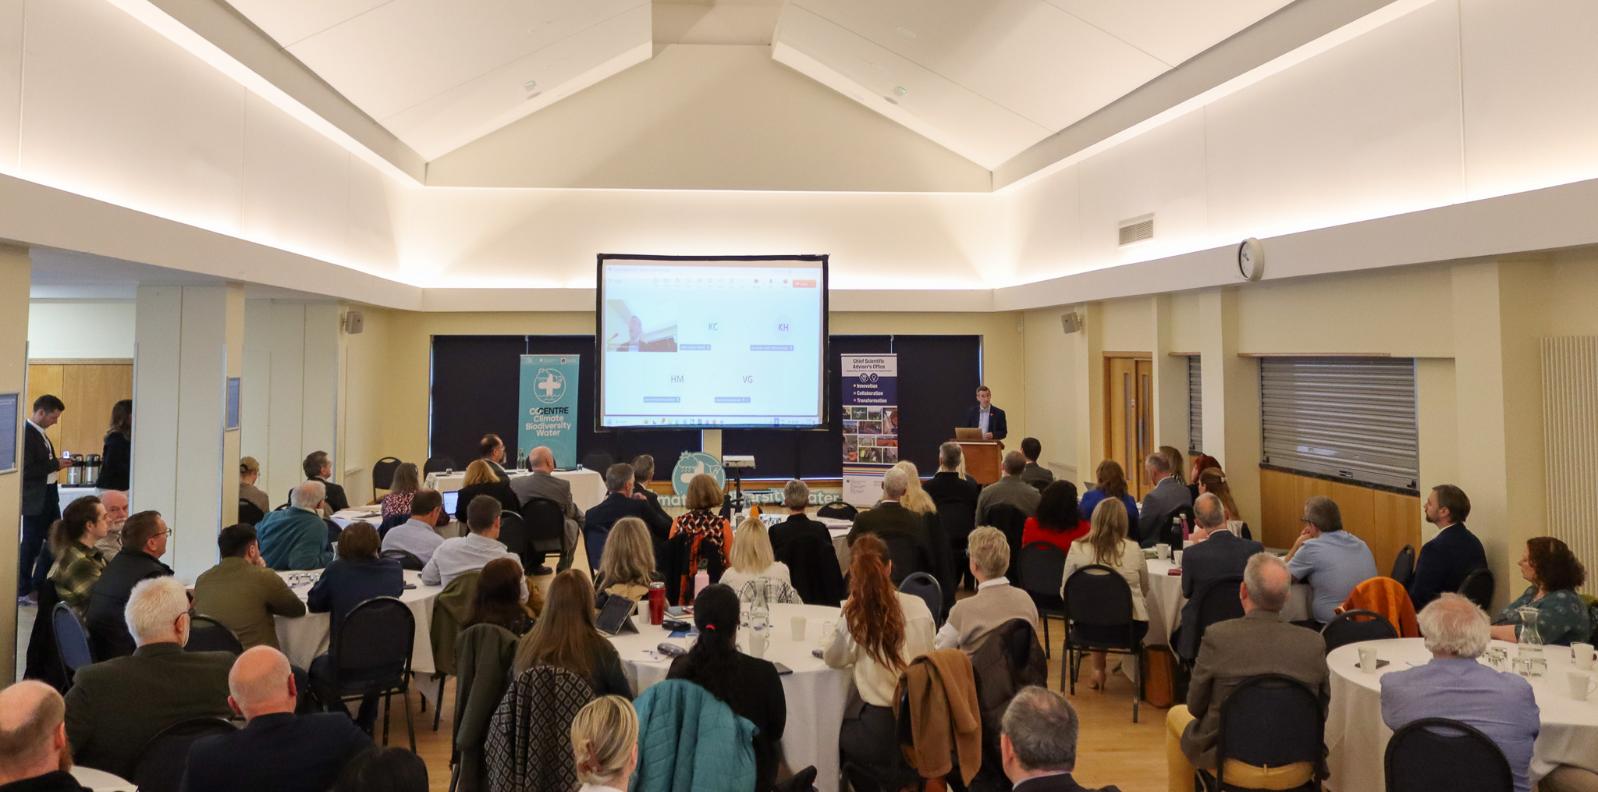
x=545 y=522
x=1355 y=626
x=514 y=535
x=1041 y=569
x=1271 y=720
x=209 y=635
x=71 y=640
x=1478 y=588
x=838 y=510
x=1217 y=602
x=407 y=559
x=249 y=513
x=1437 y=753
x=371 y=655
x=437 y=464
x=1404 y=565
x=161 y=763
x=1010 y=521
x=925 y=586
x=1097 y=598
x=383 y=472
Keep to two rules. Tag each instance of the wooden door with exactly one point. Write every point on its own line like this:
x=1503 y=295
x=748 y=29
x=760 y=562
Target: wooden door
x=1129 y=417
x=89 y=390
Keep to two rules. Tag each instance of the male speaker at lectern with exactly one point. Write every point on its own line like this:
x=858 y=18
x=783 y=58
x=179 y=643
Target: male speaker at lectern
x=985 y=417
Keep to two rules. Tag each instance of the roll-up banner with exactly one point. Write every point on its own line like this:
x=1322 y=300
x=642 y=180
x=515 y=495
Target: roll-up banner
x=549 y=407
x=870 y=424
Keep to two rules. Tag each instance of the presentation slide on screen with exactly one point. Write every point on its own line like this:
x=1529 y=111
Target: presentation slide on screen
x=691 y=343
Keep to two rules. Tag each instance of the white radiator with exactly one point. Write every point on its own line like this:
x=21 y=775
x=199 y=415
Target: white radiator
x=1570 y=443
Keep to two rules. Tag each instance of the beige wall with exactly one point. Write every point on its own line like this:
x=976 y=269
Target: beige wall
x=15 y=273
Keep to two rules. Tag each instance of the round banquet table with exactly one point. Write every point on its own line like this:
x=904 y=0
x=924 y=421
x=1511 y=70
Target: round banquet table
x=1356 y=737
x=304 y=637
x=100 y=780
x=815 y=693
x=1165 y=602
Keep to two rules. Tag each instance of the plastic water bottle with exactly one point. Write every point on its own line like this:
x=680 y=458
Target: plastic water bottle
x=701 y=580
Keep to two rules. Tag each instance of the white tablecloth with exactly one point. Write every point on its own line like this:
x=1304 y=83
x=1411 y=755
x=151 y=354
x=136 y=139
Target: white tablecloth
x=815 y=693
x=840 y=539
x=100 y=780
x=588 y=487
x=305 y=637
x=1357 y=738
x=1165 y=602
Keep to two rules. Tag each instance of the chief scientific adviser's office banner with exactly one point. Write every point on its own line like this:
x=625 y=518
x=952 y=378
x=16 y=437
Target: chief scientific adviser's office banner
x=548 y=405
x=870 y=424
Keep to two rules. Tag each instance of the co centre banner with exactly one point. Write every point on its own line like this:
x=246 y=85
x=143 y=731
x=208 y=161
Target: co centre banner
x=548 y=402
x=870 y=424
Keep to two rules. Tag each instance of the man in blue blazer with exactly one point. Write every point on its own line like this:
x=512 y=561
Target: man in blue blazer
x=987 y=417
x=276 y=749
x=623 y=501
x=1451 y=555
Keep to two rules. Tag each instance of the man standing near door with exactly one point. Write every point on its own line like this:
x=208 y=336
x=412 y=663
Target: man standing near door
x=41 y=499
x=987 y=417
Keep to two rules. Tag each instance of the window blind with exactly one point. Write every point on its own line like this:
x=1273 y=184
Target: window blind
x=1195 y=405
x=1350 y=418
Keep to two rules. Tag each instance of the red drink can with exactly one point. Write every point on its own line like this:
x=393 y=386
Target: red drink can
x=657 y=603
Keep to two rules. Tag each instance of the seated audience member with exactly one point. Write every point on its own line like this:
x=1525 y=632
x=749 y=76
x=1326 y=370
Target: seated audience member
x=34 y=754
x=566 y=637
x=1453 y=685
x=1196 y=468
x=419 y=535
x=543 y=483
x=754 y=566
x=623 y=501
x=1212 y=553
x=1107 y=543
x=116 y=512
x=1110 y=482
x=956 y=497
x=796 y=498
x=384 y=769
x=708 y=534
x=116 y=706
x=1056 y=522
x=241 y=593
x=749 y=685
x=881 y=631
x=280 y=750
x=78 y=562
x=1213 y=482
x=491 y=450
x=1037 y=742
x=1168 y=494
x=915 y=498
x=143 y=543
x=1010 y=489
x=296 y=537
x=920 y=502
x=805 y=545
x=356 y=576
x=456 y=557
x=1035 y=474
x=1554 y=574
x=890 y=518
x=604 y=738
x=407 y=482
x=249 y=473
x=628 y=566
x=497 y=598
x=481 y=480
x=318 y=467
x=1452 y=554
x=1261 y=642
x=643 y=473
x=1331 y=559
x=995 y=602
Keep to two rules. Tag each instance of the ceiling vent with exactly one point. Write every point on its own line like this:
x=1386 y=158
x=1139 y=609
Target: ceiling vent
x=1137 y=229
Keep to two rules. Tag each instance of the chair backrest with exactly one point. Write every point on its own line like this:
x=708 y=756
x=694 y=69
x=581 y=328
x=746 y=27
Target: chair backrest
x=1216 y=602
x=1404 y=565
x=597 y=461
x=1097 y=595
x=437 y=464
x=546 y=525
x=161 y=763
x=383 y=472
x=908 y=556
x=1478 y=588
x=209 y=635
x=514 y=535
x=407 y=559
x=374 y=642
x=1355 y=626
x=1041 y=568
x=71 y=640
x=249 y=513
x=1438 y=753
x=390 y=522
x=926 y=587
x=1270 y=720
x=838 y=510
x=1012 y=522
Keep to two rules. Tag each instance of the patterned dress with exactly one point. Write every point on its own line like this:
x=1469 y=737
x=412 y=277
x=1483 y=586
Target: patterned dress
x=1562 y=617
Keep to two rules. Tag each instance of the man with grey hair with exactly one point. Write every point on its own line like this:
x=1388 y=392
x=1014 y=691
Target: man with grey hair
x=899 y=528
x=1331 y=559
x=1037 y=742
x=805 y=545
x=543 y=483
x=1010 y=489
x=1213 y=553
x=1453 y=685
x=956 y=498
x=1231 y=652
x=34 y=754
x=114 y=707
x=296 y=537
x=623 y=501
x=116 y=510
x=286 y=751
x=643 y=473
x=1163 y=500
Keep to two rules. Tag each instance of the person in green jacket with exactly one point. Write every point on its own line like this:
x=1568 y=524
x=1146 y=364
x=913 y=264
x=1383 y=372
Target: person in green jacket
x=241 y=593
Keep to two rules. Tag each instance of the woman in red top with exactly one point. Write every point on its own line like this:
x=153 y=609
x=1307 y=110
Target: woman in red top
x=1057 y=521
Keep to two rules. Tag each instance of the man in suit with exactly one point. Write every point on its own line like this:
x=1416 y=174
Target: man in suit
x=1035 y=474
x=1167 y=496
x=33 y=728
x=241 y=593
x=805 y=545
x=623 y=501
x=116 y=706
x=893 y=524
x=1010 y=489
x=318 y=466
x=956 y=497
x=492 y=450
x=1452 y=554
x=285 y=751
x=296 y=537
x=143 y=543
x=1213 y=553
x=643 y=473
x=41 y=499
x=1261 y=642
x=1037 y=742
x=543 y=484
x=987 y=417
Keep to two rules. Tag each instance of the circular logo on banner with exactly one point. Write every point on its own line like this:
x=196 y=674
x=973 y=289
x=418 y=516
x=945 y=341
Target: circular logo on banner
x=691 y=464
x=870 y=376
x=549 y=386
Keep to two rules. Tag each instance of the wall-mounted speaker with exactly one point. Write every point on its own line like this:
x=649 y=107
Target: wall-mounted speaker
x=354 y=322
x=1070 y=322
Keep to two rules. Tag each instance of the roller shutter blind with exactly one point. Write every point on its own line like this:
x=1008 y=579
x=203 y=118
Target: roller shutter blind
x=1349 y=418
x=1195 y=405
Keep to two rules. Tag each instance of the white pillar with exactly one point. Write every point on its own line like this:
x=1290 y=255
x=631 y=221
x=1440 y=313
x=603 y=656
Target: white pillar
x=15 y=271
x=292 y=385
x=1231 y=400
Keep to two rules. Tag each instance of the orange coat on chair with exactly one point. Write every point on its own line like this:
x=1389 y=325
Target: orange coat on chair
x=1386 y=596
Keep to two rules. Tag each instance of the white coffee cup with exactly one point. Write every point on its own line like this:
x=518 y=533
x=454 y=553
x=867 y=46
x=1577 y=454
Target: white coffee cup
x=1583 y=656
x=757 y=642
x=1176 y=557
x=1581 y=684
x=1367 y=659
x=798 y=625
x=1162 y=551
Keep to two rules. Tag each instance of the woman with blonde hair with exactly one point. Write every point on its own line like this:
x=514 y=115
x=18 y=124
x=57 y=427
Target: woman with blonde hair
x=1106 y=544
x=604 y=737
x=709 y=536
x=481 y=480
x=407 y=480
x=1213 y=482
x=915 y=498
x=627 y=566
x=754 y=567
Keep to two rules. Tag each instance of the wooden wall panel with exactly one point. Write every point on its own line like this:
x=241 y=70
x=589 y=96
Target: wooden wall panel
x=89 y=390
x=1385 y=520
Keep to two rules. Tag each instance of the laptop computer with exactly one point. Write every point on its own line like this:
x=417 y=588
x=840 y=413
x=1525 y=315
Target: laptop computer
x=967 y=433
x=451 y=499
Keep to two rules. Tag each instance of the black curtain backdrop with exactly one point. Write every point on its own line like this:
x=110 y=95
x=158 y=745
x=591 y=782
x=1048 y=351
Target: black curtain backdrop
x=475 y=382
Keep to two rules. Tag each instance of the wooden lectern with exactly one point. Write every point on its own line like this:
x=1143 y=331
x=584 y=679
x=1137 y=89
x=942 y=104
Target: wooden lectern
x=982 y=459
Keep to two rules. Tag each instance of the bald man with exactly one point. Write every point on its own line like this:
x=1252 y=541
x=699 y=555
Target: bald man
x=33 y=740
x=286 y=751
x=543 y=484
x=116 y=508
